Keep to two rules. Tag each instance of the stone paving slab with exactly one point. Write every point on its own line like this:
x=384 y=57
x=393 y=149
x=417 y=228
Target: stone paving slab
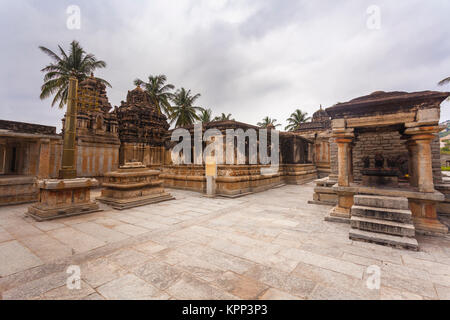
x=14 y=257
x=269 y=245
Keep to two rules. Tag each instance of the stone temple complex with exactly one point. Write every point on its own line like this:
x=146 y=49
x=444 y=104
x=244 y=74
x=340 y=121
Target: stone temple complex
x=358 y=186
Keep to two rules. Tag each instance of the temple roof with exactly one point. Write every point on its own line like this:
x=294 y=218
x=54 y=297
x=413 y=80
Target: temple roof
x=320 y=115
x=90 y=87
x=387 y=102
x=226 y=124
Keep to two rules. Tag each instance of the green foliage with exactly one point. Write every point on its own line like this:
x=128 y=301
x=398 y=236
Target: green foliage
x=205 y=115
x=223 y=117
x=266 y=122
x=445 y=168
x=160 y=93
x=297 y=117
x=184 y=112
x=76 y=63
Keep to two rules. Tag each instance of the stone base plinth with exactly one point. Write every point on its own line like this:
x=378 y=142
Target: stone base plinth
x=425 y=217
x=324 y=193
x=122 y=204
x=59 y=198
x=342 y=210
x=133 y=185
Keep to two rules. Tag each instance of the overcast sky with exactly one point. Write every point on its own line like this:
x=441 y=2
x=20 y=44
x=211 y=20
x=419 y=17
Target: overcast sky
x=249 y=58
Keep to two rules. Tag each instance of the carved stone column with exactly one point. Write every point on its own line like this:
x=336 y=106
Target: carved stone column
x=345 y=166
x=343 y=138
x=420 y=154
x=423 y=210
x=412 y=162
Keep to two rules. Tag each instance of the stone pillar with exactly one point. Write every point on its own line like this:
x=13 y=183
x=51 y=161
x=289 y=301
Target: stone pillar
x=424 y=210
x=424 y=168
x=44 y=159
x=420 y=154
x=343 y=138
x=412 y=162
x=345 y=166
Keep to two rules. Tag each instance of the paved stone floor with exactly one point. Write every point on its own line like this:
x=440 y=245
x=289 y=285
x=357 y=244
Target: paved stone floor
x=270 y=245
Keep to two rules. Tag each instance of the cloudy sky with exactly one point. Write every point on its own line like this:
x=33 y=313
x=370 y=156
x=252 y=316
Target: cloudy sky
x=251 y=58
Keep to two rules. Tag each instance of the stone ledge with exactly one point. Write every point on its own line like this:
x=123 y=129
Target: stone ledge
x=121 y=204
x=384 y=239
x=59 y=184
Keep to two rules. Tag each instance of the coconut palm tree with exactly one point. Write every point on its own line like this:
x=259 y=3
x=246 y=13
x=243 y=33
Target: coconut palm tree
x=160 y=93
x=266 y=122
x=297 y=117
x=75 y=63
x=184 y=112
x=223 y=117
x=205 y=115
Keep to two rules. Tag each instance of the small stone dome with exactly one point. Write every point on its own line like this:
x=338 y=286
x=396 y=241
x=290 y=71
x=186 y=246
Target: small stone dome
x=320 y=115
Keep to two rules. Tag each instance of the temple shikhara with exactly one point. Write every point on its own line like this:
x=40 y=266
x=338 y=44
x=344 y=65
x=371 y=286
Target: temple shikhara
x=374 y=160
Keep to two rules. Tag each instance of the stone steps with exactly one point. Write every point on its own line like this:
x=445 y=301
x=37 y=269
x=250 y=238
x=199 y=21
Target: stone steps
x=396 y=215
x=383 y=226
x=383 y=220
x=376 y=201
x=384 y=239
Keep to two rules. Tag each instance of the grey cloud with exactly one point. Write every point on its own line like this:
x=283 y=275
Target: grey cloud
x=248 y=58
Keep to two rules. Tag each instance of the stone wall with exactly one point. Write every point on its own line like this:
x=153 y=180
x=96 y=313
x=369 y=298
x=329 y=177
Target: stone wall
x=388 y=143
x=236 y=179
x=94 y=160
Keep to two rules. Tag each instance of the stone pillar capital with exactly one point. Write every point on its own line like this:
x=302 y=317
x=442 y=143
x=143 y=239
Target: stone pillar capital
x=422 y=132
x=343 y=135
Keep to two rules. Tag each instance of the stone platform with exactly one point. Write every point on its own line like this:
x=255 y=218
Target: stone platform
x=15 y=189
x=383 y=220
x=133 y=185
x=60 y=198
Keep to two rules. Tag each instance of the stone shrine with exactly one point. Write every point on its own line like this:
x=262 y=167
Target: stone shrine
x=389 y=136
x=142 y=129
x=132 y=185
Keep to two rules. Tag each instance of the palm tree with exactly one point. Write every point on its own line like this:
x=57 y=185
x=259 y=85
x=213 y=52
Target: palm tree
x=297 y=117
x=184 y=112
x=159 y=92
x=205 y=115
x=266 y=122
x=76 y=63
x=223 y=117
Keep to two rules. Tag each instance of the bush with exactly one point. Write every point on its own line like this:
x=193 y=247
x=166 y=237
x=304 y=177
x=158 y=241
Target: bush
x=445 y=168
